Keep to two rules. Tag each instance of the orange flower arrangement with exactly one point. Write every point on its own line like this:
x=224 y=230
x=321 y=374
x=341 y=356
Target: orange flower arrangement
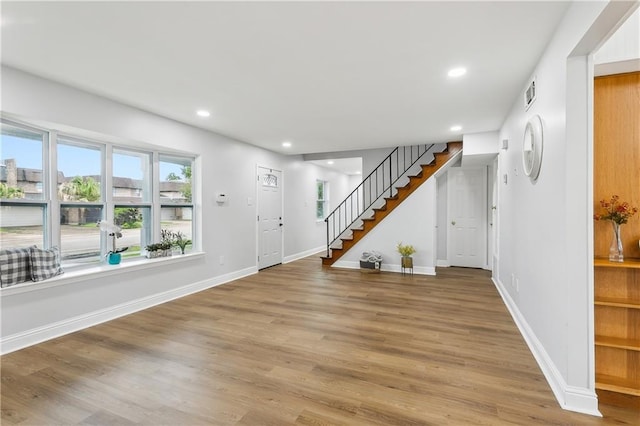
x=616 y=211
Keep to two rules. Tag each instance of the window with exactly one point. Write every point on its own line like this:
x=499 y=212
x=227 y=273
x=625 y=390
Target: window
x=79 y=234
x=131 y=177
x=322 y=199
x=175 y=180
x=132 y=200
x=21 y=226
x=23 y=206
x=79 y=190
x=176 y=213
x=136 y=224
x=79 y=172
x=92 y=181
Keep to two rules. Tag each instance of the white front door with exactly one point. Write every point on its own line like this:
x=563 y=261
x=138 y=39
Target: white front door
x=269 y=217
x=467 y=195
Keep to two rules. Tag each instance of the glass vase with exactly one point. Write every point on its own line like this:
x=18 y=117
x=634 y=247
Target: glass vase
x=615 y=250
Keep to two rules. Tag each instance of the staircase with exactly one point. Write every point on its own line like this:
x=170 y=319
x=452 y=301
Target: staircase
x=375 y=198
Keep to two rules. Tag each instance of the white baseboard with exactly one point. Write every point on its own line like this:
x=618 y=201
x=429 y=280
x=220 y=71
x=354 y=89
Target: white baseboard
x=572 y=398
x=417 y=270
x=303 y=254
x=442 y=263
x=37 y=335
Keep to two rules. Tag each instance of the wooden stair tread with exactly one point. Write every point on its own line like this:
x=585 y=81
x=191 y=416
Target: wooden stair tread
x=618 y=342
x=617 y=384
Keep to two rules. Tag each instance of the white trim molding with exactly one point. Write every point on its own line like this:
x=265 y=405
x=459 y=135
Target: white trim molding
x=573 y=398
x=318 y=250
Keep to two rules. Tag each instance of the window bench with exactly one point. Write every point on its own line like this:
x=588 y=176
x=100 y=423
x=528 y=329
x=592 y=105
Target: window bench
x=100 y=271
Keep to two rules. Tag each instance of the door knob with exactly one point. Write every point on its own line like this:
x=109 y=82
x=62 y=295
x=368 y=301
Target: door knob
x=453 y=222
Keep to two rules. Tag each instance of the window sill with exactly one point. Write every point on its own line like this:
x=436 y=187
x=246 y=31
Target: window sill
x=97 y=272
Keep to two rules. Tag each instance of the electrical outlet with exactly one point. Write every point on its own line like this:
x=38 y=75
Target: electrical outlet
x=517 y=285
x=221 y=260
x=513 y=280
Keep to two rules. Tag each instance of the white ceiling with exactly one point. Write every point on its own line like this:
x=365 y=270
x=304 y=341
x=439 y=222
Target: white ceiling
x=348 y=166
x=327 y=76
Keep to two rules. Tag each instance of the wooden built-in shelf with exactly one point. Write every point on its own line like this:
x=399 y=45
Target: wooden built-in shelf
x=616 y=384
x=601 y=262
x=617 y=302
x=616 y=108
x=618 y=342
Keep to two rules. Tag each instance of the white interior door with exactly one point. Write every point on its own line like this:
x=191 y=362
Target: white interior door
x=467 y=195
x=269 y=217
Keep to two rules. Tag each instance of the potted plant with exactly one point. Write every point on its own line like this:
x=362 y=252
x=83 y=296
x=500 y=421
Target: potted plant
x=113 y=256
x=405 y=251
x=181 y=241
x=154 y=250
x=167 y=241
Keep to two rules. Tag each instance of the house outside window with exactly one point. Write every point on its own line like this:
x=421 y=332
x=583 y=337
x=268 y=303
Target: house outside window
x=322 y=199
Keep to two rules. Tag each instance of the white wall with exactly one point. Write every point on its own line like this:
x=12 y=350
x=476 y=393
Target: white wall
x=479 y=148
x=412 y=222
x=544 y=228
x=228 y=230
x=624 y=45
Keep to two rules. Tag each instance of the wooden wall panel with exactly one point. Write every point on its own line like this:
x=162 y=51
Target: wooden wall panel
x=617 y=283
x=617 y=155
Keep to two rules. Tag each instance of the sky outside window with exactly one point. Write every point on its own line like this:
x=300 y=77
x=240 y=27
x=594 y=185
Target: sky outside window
x=27 y=150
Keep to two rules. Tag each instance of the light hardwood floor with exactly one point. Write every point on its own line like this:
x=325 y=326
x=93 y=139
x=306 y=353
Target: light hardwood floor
x=297 y=344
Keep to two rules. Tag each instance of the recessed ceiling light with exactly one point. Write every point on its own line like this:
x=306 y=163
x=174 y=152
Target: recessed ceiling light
x=330 y=162
x=457 y=72
x=203 y=113
x=456 y=128
x=286 y=144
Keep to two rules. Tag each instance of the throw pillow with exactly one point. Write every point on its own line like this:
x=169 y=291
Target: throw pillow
x=15 y=266
x=45 y=263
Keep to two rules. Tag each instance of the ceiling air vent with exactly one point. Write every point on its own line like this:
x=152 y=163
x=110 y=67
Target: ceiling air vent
x=530 y=94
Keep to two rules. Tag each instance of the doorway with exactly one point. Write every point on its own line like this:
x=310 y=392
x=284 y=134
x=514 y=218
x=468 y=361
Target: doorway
x=269 y=217
x=467 y=217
